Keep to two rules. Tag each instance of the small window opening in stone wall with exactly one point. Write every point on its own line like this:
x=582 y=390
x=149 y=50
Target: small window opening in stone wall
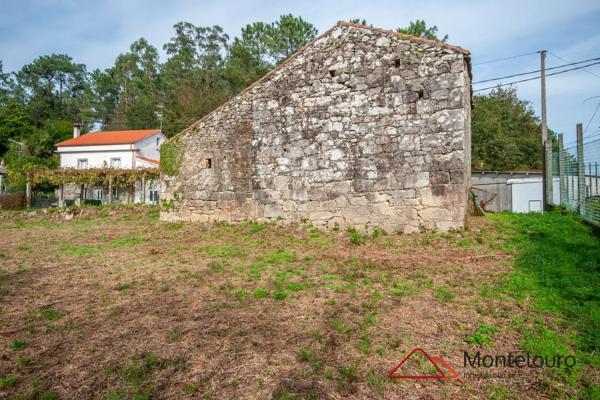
x=420 y=93
x=332 y=73
x=397 y=63
x=207 y=163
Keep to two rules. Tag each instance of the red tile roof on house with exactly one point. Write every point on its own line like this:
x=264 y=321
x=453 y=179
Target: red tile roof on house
x=108 y=138
x=148 y=160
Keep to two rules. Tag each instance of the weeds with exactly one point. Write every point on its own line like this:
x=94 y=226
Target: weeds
x=482 y=336
x=17 y=345
x=260 y=293
x=444 y=294
x=377 y=381
x=356 y=238
x=404 y=290
x=8 y=380
x=347 y=378
x=225 y=251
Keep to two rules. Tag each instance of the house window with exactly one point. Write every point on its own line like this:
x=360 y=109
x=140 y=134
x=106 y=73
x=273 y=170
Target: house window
x=154 y=196
x=82 y=163
x=115 y=194
x=115 y=163
x=206 y=163
x=98 y=194
x=157 y=142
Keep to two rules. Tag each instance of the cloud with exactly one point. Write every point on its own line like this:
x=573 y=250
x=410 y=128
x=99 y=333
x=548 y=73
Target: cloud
x=95 y=32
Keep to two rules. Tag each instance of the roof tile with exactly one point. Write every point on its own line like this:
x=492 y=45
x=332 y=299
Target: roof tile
x=108 y=138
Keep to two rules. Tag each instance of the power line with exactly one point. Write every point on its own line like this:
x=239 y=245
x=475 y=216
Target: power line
x=592 y=118
x=506 y=58
x=535 y=77
x=565 y=60
x=597 y=133
x=536 y=71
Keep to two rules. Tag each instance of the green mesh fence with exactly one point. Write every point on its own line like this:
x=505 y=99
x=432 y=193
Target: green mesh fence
x=579 y=180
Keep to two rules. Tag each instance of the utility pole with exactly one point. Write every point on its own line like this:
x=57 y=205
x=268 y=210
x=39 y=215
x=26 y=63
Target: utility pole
x=547 y=175
x=543 y=80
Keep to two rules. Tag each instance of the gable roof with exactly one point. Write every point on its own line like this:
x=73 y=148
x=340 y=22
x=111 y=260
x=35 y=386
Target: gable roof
x=108 y=138
x=269 y=74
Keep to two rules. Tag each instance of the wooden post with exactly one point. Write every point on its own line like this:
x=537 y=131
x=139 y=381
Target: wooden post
x=61 y=195
x=561 y=170
x=548 y=171
x=143 y=189
x=580 y=170
x=109 y=198
x=28 y=192
x=81 y=195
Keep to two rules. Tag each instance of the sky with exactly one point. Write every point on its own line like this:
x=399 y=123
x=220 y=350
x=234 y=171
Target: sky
x=95 y=32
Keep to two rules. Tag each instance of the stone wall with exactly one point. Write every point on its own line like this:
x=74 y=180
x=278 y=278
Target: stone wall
x=361 y=128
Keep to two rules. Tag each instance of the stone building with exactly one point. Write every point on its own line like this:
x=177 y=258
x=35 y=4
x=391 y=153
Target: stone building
x=363 y=127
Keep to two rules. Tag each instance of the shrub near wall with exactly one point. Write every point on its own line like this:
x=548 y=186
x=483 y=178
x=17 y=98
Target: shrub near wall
x=12 y=201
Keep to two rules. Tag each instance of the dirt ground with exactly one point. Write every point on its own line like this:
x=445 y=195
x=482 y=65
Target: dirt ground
x=114 y=304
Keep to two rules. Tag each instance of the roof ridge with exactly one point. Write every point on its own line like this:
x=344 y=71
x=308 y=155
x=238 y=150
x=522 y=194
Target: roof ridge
x=303 y=48
x=406 y=36
x=128 y=136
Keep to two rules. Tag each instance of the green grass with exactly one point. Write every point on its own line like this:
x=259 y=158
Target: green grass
x=348 y=377
x=338 y=325
x=24 y=361
x=278 y=256
x=308 y=355
x=376 y=380
x=444 y=294
x=16 y=345
x=136 y=378
x=260 y=293
x=404 y=290
x=79 y=250
x=557 y=272
x=482 y=336
x=225 y=251
x=356 y=237
x=50 y=314
x=132 y=241
x=8 y=380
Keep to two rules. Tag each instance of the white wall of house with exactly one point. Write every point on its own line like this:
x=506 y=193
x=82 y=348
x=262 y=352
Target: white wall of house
x=149 y=147
x=97 y=156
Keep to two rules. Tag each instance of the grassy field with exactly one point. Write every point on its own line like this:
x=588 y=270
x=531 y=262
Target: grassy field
x=114 y=304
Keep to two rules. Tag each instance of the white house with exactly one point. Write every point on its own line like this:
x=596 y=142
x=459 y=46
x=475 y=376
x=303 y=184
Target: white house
x=114 y=149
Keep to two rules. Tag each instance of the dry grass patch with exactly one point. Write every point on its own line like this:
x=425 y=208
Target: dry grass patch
x=144 y=309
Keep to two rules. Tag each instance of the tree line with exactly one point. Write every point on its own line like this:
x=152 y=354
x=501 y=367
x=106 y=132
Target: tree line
x=204 y=67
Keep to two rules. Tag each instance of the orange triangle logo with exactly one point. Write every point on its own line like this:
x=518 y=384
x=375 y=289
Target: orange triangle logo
x=438 y=363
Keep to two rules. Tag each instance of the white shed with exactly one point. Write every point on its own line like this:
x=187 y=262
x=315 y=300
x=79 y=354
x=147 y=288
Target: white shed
x=527 y=194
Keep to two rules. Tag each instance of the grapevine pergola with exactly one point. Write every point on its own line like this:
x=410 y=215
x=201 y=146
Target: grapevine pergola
x=105 y=177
